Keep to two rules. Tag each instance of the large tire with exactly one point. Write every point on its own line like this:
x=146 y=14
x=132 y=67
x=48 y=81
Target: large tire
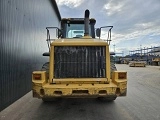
x=45 y=67
x=107 y=99
x=51 y=99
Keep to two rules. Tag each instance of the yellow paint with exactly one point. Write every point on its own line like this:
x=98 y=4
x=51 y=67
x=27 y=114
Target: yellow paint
x=51 y=66
x=107 y=64
x=87 y=87
x=79 y=42
x=156 y=59
x=137 y=64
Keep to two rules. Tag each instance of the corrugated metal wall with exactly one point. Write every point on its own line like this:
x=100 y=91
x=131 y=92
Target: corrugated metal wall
x=22 y=42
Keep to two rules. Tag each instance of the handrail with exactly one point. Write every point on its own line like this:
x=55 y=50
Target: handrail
x=109 y=33
x=48 y=35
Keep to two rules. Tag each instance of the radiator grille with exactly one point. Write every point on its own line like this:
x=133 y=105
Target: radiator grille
x=79 y=62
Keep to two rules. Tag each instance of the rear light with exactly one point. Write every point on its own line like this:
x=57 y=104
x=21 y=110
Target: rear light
x=122 y=75
x=37 y=76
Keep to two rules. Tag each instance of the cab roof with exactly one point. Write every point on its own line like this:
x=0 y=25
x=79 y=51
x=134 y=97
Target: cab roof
x=77 y=20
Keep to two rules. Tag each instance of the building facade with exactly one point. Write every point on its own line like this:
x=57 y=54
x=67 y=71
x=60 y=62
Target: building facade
x=22 y=43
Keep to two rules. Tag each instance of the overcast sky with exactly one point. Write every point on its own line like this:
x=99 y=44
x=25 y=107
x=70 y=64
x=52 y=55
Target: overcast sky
x=136 y=23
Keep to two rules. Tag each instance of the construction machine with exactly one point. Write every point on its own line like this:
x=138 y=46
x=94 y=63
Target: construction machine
x=137 y=64
x=79 y=64
x=156 y=61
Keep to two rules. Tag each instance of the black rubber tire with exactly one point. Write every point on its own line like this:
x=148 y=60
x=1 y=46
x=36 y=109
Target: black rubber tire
x=51 y=99
x=107 y=99
x=45 y=67
x=46 y=100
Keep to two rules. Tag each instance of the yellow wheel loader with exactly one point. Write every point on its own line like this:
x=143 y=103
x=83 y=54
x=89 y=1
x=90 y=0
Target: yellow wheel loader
x=137 y=64
x=79 y=64
x=156 y=61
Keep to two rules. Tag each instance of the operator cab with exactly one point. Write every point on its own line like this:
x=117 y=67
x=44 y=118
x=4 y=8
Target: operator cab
x=74 y=27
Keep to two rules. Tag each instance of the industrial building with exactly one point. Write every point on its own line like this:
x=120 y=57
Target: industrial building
x=23 y=35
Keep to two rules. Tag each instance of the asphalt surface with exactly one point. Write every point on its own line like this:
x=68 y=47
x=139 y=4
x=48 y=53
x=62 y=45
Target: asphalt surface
x=141 y=103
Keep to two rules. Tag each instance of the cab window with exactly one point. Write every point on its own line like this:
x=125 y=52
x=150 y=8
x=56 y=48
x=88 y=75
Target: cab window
x=75 y=30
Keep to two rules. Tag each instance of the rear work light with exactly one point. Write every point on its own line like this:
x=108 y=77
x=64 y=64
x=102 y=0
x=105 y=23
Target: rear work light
x=37 y=76
x=122 y=75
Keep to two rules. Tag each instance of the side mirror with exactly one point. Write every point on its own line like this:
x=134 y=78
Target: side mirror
x=46 y=54
x=98 y=32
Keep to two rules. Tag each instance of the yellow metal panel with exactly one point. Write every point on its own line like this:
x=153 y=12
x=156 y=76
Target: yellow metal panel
x=79 y=42
x=51 y=66
x=107 y=63
x=86 y=36
x=88 y=90
x=80 y=80
x=61 y=86
x=115 y=75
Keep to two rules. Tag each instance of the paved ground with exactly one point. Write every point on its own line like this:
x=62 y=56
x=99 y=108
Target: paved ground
x=142 y=102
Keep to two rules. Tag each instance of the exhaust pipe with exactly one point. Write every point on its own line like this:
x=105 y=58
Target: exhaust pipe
x=86 y=23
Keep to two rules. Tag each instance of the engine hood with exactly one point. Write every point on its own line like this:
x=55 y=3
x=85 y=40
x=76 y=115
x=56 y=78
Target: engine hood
x=79 y=42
